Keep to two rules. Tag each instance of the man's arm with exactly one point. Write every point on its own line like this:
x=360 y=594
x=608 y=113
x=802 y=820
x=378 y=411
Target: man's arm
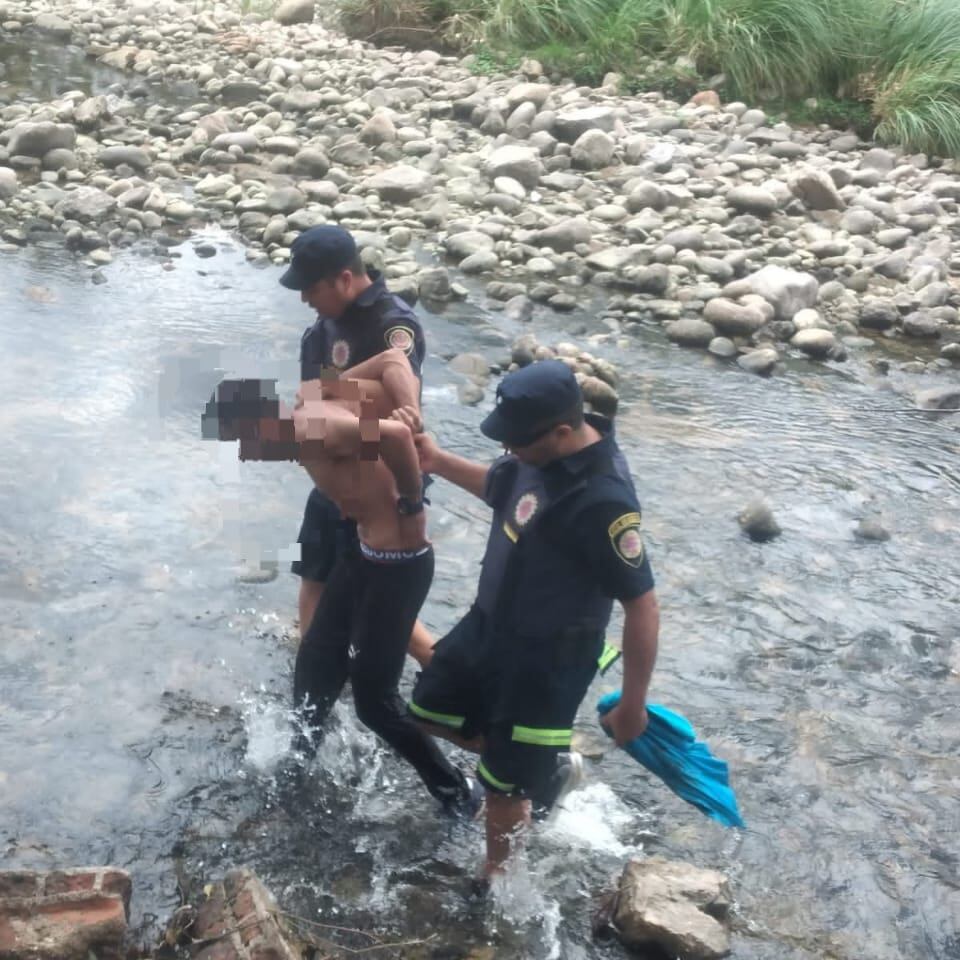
x=390 y=370
x=470 y=475
x=641 y=628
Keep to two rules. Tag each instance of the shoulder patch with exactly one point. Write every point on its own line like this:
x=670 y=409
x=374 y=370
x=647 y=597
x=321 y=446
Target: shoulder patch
x=526 y=507
x=400 y=338
x=626 y=540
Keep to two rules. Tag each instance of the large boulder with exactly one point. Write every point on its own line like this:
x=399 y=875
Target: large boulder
x=733 y=319
x=675 y=906
x=788 y=291
x=690 y=332
x=751 y=199
x=295 y=11
x=593 y=150
x=88 y=204
x=817 y=190
x=401 y=183
x=36 y=139
x=521 y=163
x=570 y=125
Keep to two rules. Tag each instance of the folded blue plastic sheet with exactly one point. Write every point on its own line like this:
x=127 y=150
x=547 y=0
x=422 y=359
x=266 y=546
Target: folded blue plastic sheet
x=669 y=748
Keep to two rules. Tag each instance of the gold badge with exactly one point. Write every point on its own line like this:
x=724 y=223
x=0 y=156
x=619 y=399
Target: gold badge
x=400 y=338
x=625 y=537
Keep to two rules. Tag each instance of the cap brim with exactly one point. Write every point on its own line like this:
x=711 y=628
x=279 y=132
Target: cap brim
x=293 y=279
x=495 y=426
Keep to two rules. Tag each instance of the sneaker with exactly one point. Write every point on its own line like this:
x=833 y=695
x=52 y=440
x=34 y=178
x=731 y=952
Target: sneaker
x=468 y=802
x=568 y=776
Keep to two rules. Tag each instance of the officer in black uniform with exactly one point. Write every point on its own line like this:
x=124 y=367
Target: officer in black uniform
x=564 y=543
x=357 y=319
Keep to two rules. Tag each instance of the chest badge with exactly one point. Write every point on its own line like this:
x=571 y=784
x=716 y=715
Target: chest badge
x=525 y=509
x=340 y=354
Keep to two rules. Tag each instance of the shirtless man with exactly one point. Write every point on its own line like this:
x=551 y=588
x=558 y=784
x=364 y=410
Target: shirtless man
x=342 y=433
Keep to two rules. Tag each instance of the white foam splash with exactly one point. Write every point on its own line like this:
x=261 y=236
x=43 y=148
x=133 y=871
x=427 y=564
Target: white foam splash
x=591 y=817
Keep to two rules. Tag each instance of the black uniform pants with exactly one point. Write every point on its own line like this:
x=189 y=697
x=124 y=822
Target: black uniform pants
x=361 y=630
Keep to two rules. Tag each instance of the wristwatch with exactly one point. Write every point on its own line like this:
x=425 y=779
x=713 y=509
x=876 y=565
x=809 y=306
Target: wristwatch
x=409 y=508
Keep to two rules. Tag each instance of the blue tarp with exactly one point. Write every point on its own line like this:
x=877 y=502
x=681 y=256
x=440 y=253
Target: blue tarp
x=669 y=748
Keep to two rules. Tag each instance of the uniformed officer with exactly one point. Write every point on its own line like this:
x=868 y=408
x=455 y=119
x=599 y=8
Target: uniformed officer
x=357 y=318
x=564 y=543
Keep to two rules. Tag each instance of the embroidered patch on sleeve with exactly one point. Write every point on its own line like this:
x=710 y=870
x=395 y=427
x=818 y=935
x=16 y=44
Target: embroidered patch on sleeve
x=400 y=338
x=625 y=537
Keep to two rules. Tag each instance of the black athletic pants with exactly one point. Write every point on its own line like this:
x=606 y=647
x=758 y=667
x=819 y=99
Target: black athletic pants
x=361 y=630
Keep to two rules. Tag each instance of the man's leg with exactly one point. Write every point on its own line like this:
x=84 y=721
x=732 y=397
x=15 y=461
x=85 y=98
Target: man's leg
x=323 y=660
x=319 y=541
x=506 y=822
x=421 y=644
x=311 y=592
x=393 y=594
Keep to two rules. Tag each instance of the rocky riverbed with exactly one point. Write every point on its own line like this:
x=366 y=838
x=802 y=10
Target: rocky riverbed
x=737 y=234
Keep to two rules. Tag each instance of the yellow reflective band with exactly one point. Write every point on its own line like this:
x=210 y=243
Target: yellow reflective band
x=608 y=656
x=445 y=719
x=485 y=774
x=541 y=737
x=509 y=531
x=621 y=524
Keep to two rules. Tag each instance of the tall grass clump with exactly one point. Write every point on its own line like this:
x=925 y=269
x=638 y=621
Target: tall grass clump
x=915 y=75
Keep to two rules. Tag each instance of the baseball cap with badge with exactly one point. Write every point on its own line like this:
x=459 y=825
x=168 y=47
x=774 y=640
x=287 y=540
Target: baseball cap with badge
x=318 y=254
x=531 y=401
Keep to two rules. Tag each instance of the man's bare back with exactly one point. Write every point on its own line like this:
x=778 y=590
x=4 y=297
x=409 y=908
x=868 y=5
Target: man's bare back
x=343 y=433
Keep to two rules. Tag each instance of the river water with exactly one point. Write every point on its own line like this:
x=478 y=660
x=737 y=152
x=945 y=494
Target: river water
x=144 y=679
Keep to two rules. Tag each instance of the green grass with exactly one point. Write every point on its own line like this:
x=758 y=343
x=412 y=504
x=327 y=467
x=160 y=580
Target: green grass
x=892 y=66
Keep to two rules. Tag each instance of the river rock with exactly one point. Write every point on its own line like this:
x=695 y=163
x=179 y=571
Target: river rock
x=470 y=393
x=566 y=234
x=285 y=200
x=871 y=528
x=751 y=199
x=350 y=152
x=135 y=157
x=36 y=139
x=878 y=314
x=8 y=183
x=646 y=194
x=400 y=183
x=85 y=204
x=464 y=244
x=722 y=347
x=60 y=159
x=760 y=362
x=379 y=129
x=814 y=342
x=521 y=163
x=434 y=284
x=788 y=291
x=733 y=319
x=758 y=522
x=939 y=398
x=690 y=332
x=570 y=125
x=816 y=189
x=470 y=365
x=676 y=906
x=600 y=395
x=88 y=114
x=295 y=11
x=593 y=150
x=53 y=24
x=922 y=325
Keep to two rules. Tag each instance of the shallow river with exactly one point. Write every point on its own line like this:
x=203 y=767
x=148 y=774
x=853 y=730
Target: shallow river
x=144 y=681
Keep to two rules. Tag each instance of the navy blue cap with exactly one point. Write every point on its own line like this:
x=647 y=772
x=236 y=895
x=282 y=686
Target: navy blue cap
x=317 y=254
x=532 y=400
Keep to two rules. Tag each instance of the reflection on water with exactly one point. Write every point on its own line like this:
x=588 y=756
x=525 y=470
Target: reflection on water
x=145 y=686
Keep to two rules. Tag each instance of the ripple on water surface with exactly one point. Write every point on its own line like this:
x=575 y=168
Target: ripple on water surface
x=147 y=685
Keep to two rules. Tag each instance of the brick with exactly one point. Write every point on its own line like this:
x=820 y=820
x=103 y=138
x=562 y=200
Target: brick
x=68 y=930
x=15 y=884
x=221 y=950
x=213 y=916
x=117 y=883
x=68 y=881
